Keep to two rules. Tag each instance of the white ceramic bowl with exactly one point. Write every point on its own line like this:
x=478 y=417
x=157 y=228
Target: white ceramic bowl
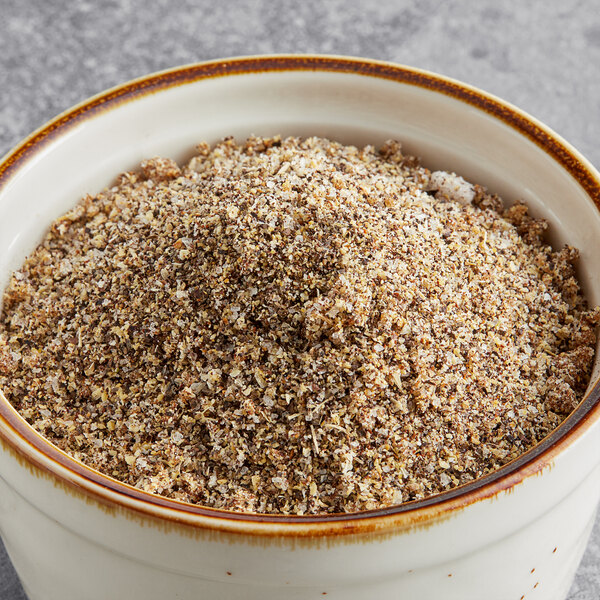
x=75 y=534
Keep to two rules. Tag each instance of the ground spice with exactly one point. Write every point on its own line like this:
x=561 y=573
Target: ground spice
x=295 y=326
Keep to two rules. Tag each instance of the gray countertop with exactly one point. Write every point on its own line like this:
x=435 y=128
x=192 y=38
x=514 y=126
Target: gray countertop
x=543 y=56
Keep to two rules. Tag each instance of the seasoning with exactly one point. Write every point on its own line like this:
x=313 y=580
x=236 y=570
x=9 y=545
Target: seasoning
x=295 y=326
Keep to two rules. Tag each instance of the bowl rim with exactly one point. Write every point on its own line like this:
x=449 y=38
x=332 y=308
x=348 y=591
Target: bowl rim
x=19 y=438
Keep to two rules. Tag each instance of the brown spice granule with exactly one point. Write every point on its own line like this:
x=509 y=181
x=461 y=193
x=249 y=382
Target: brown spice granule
x=294 y=326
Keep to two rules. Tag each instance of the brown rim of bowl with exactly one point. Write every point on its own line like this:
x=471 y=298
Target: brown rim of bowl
x=37 y=451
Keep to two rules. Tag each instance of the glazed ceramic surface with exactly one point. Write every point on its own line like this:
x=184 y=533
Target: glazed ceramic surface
x=74 y=534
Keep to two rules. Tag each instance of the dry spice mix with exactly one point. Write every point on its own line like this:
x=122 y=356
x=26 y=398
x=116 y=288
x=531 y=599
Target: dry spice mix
x=295 y=326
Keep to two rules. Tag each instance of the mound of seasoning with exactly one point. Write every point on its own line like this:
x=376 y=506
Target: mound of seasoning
x=295 y=326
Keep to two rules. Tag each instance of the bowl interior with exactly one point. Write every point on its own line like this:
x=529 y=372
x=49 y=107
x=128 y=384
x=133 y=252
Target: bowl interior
x=85 y=154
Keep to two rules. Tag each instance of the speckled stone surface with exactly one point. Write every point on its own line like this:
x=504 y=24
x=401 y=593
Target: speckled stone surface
x=542 y=55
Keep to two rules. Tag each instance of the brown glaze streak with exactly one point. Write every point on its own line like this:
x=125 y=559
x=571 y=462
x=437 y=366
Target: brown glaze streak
x=26 y=445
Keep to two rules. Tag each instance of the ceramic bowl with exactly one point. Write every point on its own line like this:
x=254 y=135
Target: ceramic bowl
x=517 y=534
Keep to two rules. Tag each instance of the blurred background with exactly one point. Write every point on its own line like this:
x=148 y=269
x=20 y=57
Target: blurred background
x=542 y=55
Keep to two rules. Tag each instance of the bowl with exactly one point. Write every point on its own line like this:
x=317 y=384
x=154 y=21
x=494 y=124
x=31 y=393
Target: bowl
x=518 y=533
